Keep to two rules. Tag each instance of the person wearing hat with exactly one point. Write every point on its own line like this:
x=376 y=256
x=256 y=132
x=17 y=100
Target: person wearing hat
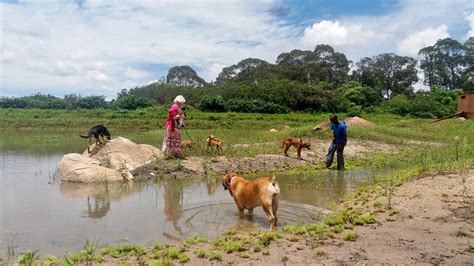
x=172 y=141
x=339 y=131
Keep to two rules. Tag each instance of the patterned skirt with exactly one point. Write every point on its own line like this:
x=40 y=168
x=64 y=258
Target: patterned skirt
x=172 y=144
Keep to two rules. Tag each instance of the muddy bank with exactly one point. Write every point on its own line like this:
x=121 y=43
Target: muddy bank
x=262 y=163
x=432 y=222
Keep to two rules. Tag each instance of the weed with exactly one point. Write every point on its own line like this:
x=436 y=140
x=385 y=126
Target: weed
x=214 y=255
x=172 y=253
x=245 y=255
x=267 y=237
x=284 y=259
x=335 y=219
x=160 y=262
x=444 y=195
x=461 y=232
x=368 y=218
x=201 y=253
x=349 y=235
x=182 y=258
x=378 y=203
x=257 y=248
x=296 y=230
x=29 y=257
x=338 y=228
x=195 y=240
x=231 y=246
x=316 y=229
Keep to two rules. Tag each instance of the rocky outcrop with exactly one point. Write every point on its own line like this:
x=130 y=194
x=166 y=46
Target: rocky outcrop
x=110 y=162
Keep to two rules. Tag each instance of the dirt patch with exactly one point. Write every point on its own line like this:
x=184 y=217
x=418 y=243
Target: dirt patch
x=263 y=163
x=356 y=121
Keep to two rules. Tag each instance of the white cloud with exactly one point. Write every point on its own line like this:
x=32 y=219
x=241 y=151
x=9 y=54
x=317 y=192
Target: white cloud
x=418 y=40
x=109 y=45
x=470 y=18
x=335 y=34
x=136 y=74
x=109 y=42
x=211 y=73
x=97 y=76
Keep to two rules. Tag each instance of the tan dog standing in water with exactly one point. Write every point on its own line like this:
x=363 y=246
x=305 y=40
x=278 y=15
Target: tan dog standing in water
x=248 y=194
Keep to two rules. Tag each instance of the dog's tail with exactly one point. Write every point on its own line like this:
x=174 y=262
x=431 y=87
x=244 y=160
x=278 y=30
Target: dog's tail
x=86 y=137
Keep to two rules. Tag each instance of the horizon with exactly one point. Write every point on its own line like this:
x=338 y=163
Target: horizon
x=101 y=47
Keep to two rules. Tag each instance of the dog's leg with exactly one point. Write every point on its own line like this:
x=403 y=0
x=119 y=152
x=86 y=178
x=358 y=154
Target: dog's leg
x=268 y=211
x=250 y=211
x=240 y=207
x=275 y=201
x=286 y=150
x=298 y=152
x=219 y=148
x=89 y=144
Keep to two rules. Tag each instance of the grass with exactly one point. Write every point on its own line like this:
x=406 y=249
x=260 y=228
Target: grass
x=214 y=255
x=349 y=235
x=201 y=253
x=461 y=232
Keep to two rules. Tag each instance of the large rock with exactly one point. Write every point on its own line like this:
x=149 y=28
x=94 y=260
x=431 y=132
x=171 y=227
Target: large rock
x=111 y=162
x=79 y=168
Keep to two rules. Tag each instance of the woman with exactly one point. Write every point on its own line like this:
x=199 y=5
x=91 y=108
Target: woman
x=172 y=141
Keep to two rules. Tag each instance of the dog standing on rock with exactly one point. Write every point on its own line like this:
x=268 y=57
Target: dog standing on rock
x=96 y=132
x=248 y=194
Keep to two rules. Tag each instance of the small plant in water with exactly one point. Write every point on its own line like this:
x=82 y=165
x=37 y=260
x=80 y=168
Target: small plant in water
x=29 y=257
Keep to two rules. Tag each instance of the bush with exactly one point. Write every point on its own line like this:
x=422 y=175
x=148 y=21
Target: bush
x=129 y=102
x=212 y=104
x=255 y=106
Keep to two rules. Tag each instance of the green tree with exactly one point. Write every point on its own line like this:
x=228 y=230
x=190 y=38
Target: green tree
x=322 y=64
x=443 y=63
x=184 y=76
x=391 y=74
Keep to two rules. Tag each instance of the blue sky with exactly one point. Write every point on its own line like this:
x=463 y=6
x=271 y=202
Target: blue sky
x=102 y=46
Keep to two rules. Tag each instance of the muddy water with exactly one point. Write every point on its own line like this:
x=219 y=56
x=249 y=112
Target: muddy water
x=38 y=211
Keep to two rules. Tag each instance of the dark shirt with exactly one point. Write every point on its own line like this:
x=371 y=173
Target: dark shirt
x=340 y=133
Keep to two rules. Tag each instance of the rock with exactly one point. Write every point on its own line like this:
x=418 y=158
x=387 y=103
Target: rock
x=284 y=128
x=110 y=162
x=273 y=130
x=356 y=121
x=461 y=119
x=75 y=167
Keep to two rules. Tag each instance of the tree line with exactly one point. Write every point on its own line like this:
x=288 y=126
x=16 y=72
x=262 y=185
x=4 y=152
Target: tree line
x=321 y=80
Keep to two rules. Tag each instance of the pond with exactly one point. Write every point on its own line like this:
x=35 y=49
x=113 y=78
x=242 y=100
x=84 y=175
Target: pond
x=38 y=211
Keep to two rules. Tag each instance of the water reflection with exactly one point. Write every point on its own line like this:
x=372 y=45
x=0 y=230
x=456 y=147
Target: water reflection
x=172 y=208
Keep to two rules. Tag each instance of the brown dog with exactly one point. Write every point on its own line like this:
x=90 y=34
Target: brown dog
x=213 y=141
x=297 y=143
x=187 y=144
x=248 y=194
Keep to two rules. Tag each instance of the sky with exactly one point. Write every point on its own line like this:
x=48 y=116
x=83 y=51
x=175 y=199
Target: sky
x=98 y=47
